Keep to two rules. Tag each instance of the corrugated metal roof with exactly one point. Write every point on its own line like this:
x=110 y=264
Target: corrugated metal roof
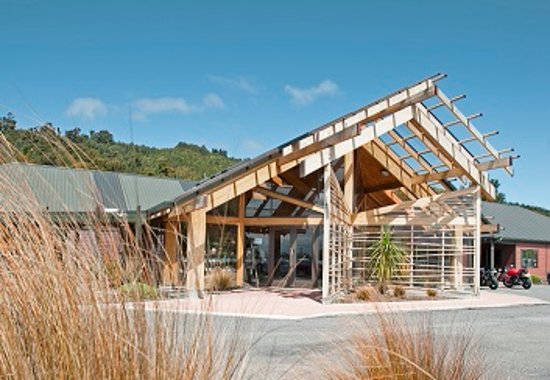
x=517 y=223
x=60 y=189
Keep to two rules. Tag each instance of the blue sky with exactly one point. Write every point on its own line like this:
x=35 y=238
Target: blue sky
x=246 y=75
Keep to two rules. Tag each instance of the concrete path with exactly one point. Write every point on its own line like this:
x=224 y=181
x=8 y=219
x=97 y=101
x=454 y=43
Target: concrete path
x=296 y=304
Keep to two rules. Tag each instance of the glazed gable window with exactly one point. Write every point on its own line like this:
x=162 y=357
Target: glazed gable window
x=529 y=258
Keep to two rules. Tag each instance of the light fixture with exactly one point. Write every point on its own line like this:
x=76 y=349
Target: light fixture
x=385 y=173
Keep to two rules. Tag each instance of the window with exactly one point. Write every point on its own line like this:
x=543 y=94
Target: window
x=529 y=258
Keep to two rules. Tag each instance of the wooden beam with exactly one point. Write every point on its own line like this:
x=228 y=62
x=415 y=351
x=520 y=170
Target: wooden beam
x=239 y=270
x=437 y=176
x=230 y=190
x=170 y=272
x=469 y=126
x=505 y=162
x=383 y=186
x=265 y=222
x=415 y=154
x=320 y=138
x=362 y=219
x=220 y=219
x=288 y=199
x=397 y=168
x=489 y=228
x=317 y=160
x=196 y=247
x=437 y=134
x=298 y=183
x=417 y=203
x=284 y=221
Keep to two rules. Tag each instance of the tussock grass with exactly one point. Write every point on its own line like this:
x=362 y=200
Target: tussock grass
x=62 y=312
x=220 y=279
x=394 y=348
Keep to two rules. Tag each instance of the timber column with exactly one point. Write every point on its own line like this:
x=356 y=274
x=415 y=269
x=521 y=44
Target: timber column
x=170 y=275
x=196 y=246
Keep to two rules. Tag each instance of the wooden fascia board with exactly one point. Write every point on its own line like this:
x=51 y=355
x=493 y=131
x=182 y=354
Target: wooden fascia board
x=229 y=190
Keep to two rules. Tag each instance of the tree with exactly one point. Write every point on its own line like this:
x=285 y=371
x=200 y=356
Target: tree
x=101 y=137
x=8 y=123
x=499 y=196
x=385 y=258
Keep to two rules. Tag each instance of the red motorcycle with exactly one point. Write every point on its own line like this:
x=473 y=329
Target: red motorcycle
x=512 y=276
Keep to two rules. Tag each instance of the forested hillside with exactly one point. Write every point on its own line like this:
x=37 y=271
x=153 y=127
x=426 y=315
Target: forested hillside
x=99 y=150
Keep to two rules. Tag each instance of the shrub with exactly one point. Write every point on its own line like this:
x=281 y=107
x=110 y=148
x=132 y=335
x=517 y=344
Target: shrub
x=364 y=293
x=219 y=280
x=399 y=292
x=382 y=288
x=431 y=293
x=386 y=257
x=138 y=291
x=536 y=280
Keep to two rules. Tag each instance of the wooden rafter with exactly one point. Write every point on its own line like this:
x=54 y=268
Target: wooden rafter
x=396 y=167
x=467 y=122
x=434 y=132
x=416 y=155
x=288 y=199
x=382 y=108
x=316 y=160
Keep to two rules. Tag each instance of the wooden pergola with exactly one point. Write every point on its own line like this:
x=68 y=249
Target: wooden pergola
x=402 y=152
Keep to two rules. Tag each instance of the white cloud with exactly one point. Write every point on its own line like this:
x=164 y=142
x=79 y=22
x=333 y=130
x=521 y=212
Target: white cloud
x=86 y=108
x=145 y=107
x=237 y=82
x=305 y=96
x=213 y=101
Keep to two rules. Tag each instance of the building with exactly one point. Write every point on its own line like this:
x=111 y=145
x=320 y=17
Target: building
x=307 y=210
x=521 y=238
x=410 y=162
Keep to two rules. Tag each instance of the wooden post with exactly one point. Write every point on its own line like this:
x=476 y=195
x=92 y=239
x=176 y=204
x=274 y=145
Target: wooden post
x=477 y=242
x=196 y=246
x=315 y=248
x=349 y=181
x=349 y=201
x=326 y=234
x=170 y=275
x=459 y=257
x=292 y=247
x=271 y=256
x=240 y=242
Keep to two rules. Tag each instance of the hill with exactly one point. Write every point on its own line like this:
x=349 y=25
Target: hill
x=98 y=150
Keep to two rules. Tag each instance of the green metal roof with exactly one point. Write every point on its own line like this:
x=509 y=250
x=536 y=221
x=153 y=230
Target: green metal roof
x=517 y=223
x=60 y=189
